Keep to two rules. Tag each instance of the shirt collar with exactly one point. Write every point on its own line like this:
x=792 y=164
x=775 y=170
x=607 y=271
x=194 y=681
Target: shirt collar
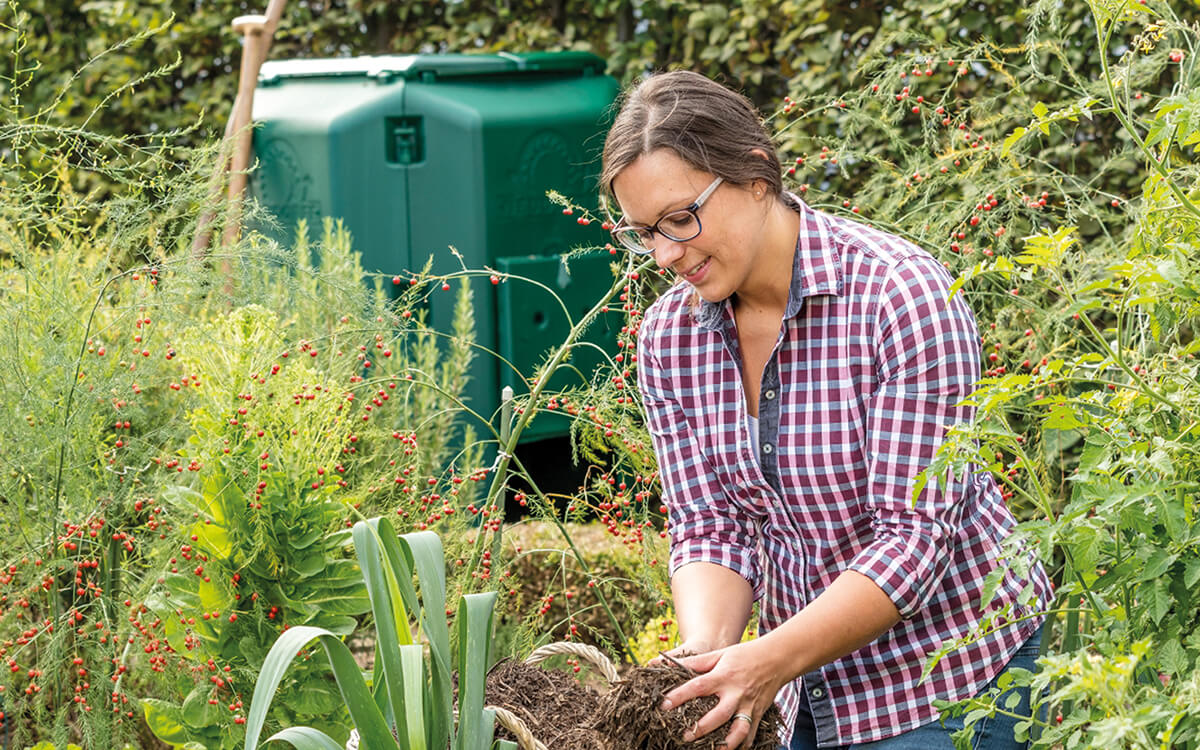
x=816 y=267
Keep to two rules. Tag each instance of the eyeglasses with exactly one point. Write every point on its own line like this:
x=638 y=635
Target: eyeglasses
x=681 y=225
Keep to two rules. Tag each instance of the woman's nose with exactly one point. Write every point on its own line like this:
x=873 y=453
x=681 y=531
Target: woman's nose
x=666 y=252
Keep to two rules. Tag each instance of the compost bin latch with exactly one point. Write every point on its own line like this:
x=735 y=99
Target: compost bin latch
x=405 y=140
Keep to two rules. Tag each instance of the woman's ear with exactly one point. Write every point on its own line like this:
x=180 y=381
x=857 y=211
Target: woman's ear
x=758 y=188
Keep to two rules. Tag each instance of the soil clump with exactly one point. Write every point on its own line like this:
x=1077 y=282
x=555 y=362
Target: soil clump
x=630 y=719
x=566 y=715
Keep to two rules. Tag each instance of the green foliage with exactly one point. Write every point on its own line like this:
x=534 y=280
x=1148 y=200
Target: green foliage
x=165 y=416
x=1088 y=415
x=184 y=441
x=409 y=702
x=81 y=437
x=288 y=441
x=816 y=51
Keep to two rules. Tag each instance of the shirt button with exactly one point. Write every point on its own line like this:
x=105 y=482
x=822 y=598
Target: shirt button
x=817 y=692
x=768 y=395
x=767 y=448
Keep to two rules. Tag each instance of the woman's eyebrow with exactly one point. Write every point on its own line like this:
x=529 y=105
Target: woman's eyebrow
x=671 y=208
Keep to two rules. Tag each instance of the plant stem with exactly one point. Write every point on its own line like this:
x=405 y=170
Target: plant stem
x=60 y=464
x=1048 y=509
x=1142 y=385
x=1119 y=361
x=508 y=444
x=1104 y=39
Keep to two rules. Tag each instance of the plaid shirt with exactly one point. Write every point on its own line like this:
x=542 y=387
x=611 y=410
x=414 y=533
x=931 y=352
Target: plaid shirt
x=871 y=364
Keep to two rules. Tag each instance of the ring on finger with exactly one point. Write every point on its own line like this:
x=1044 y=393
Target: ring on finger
x=744 y=717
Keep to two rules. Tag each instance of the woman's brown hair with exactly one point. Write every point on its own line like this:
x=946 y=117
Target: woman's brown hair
x=708 y=126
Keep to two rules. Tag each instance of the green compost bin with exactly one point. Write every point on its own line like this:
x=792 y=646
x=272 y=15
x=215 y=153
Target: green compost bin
x=417 y=153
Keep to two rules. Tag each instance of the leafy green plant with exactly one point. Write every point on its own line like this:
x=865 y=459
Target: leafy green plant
x=126 y=366
x=81 y=340
x=410 y=700
x=258 y=555
x=1095 y=434
x=282 y=450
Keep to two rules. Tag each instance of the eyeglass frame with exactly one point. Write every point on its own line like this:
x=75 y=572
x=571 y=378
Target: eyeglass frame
x=653 y=229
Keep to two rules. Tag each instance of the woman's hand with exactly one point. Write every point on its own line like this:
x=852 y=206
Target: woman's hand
x=745 y=680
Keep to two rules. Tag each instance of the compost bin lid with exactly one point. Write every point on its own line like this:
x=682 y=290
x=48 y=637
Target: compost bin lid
x=430 y=68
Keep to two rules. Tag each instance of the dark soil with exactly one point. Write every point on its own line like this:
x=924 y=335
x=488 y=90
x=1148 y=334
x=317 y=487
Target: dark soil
x=551 y=703
x=629 y=717
x=565 y=715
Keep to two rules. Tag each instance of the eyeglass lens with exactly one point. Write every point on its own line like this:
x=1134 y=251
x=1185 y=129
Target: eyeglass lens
x=679 y=226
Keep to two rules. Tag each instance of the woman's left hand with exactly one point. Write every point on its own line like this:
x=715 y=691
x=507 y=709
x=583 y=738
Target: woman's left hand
x=745 y=680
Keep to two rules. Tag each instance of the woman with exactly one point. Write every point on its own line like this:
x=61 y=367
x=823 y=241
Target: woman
x=796 y=381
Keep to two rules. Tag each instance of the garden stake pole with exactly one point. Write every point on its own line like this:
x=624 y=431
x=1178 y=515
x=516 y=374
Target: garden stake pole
x=259 y=32
x=203 y=236
x=204 y=226
x=252 y=28
x=506 y=414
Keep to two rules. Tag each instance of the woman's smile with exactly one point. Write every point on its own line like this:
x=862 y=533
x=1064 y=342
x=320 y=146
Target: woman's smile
x=696 y=273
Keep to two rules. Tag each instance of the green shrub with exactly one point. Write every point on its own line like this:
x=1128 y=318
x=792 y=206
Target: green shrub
x=1087 y=415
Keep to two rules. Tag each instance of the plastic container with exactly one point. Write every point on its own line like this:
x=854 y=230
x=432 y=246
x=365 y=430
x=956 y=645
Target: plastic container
x=418 y=153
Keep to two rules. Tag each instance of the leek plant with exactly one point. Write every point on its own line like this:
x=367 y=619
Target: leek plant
x=408 y=702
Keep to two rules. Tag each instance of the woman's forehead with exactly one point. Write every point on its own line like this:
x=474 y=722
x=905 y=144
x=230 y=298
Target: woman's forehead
x=656 y=183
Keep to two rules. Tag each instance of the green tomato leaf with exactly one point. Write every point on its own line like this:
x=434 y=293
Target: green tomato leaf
x=1158 y=600
x=1173 y=658
x=1191 y=573
x=1062 y=416
x=1157 y=564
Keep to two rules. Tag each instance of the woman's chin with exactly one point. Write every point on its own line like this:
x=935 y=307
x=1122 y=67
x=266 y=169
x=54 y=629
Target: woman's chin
x=709 y=293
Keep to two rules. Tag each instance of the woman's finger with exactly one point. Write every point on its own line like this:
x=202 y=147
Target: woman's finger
x=693 y=688
x=747 y=739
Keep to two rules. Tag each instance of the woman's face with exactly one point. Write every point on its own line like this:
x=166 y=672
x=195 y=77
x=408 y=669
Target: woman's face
x=718 y=261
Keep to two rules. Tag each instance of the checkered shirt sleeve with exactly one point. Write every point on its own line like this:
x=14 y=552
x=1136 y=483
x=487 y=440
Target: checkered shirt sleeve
x=927 y=359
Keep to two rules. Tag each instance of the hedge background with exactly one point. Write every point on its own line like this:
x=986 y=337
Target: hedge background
x=771 y=48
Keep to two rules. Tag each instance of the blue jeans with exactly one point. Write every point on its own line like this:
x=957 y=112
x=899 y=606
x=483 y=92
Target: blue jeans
x=991 y=733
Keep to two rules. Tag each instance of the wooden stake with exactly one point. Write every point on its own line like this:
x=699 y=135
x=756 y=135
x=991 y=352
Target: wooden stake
x=264 y=32
x=251 y=28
